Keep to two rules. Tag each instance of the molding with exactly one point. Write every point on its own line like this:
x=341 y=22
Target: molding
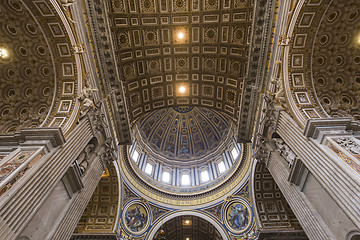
x=108 y=70
x=263 y=17
x=34 y=136
x=314 y=126
x=95 y=236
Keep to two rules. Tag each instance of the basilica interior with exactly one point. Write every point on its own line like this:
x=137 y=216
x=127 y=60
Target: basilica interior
x=179 y=119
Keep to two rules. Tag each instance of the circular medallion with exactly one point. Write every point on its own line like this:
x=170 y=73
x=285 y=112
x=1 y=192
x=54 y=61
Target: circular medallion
x=150 y=36
x=210 y=33
x=123 y=38
x=238 y=216
x=117 y=3
x=136 y=218
x=239 y=34
x=181 y=62
x=179 y=3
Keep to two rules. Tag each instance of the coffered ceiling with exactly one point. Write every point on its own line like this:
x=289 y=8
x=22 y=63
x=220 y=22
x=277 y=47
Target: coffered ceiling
x=201 y=45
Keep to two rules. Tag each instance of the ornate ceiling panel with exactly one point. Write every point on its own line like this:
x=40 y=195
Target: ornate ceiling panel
x=336 y=59
x=38 y=80
x=101 y=211
x=325 y=81
x=273 y=210
x=209 y=59
x=28 y=73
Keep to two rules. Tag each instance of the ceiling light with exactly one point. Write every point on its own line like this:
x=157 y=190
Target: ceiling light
x=182 y=89
x=180 y=35
x=4 y=53
x=186 y=222
x=187 y=238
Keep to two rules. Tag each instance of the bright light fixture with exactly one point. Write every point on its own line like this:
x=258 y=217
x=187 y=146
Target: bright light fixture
x=187 y=239
x=180 y=35
x=3 y=53
x=187 y=221
x=182 y=89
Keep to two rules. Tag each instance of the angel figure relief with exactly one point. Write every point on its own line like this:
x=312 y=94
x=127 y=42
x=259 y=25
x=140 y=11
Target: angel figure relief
x=86 y=97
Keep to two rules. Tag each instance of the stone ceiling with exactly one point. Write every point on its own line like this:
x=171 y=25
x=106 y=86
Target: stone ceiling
x=210 y=60
x=38 y=81
x=274 y=212
x=28 y=73
x=324 y=57
x=336 y=59
x=101 y=211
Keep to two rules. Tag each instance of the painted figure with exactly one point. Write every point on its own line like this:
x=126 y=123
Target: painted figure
x=239 y=217
x=135 y=220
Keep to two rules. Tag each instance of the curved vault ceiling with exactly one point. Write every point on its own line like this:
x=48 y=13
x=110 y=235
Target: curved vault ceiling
x=325 y=80
x=184 y=134
x=39 y=80
x=336 y=57
x=210 y=60
x=28 y=73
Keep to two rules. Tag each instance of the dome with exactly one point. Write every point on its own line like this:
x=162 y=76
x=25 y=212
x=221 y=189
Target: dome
x=184 y=135
x=184 y=150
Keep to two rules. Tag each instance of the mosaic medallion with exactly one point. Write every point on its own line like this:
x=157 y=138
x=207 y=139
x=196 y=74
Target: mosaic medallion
x=136 y=218
x=238 y=216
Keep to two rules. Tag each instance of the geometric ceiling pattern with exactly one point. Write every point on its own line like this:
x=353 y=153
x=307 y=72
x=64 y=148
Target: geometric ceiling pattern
x=210 y=60
x=38 y=79
x=101 y=211
x=336 y=57
x=27 y=77
x=274 y=212
x=325 y=81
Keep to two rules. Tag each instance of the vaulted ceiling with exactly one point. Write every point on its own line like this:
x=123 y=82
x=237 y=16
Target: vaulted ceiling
x=28 y=71
x=38 y=79
x=324 y=58
x=209 y=59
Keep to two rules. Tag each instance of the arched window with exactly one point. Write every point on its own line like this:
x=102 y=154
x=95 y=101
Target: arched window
x=135 y=156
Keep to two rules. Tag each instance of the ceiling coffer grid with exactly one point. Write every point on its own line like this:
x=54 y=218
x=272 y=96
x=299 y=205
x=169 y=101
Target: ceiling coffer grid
x=210 y=60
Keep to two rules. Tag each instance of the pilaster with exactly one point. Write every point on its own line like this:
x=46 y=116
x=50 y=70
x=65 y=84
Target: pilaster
x=22 y=201
x=340 y=184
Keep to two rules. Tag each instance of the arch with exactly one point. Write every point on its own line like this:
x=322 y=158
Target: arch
x=184 y=213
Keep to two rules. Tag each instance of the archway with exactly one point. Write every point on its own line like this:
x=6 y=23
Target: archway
x=193 y=215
